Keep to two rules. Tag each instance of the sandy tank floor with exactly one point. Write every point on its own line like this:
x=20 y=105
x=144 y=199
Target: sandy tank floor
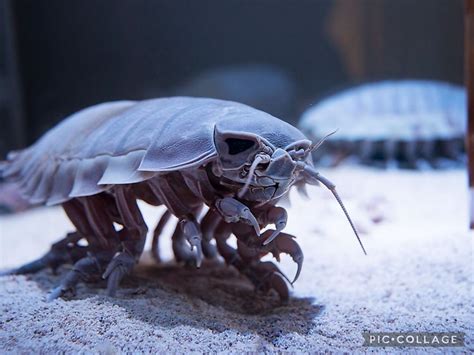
x=418 y=276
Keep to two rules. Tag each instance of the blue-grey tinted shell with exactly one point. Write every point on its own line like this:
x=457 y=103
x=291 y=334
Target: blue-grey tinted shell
x=127 y=142
x=405 y=110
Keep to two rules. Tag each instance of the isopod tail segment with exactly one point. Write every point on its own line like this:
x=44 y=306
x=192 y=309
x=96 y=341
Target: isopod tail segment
x=311 y=175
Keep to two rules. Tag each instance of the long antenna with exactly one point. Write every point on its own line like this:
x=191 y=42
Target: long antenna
x=316 y=145
x=332 y=188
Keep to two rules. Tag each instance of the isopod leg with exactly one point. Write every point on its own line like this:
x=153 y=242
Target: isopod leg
x=235 y=211
x=133 y=237
x=222 y=233
x=265 y=276
x=452 y=149
x=65 y=251
x=208 y=226
x=427 y=149
x=155 y=247
x=85 y=269
x=409 y=153
x=187 y=237
x=94 y=223
x=279 y=217
x=390 y=151
x=181 y=249
x=366 y=151
x=188 y=229
x=285 y=243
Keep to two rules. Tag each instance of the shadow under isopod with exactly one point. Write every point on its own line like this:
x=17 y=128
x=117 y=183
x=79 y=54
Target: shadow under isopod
x=214 y=297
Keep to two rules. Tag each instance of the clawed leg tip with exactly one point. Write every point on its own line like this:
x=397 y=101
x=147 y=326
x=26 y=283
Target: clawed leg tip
x=274 y=235
x=298 y=272
x=257 y=230
x=112 y=285
x=54 y=294
x=50 y=299
x=114 y=279
x=266 y=241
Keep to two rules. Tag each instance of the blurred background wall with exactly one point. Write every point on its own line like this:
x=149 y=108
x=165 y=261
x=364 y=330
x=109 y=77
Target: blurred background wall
x=59 y=56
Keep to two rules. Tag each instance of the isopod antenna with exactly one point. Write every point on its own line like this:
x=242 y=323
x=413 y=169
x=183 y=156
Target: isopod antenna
x=331 y=187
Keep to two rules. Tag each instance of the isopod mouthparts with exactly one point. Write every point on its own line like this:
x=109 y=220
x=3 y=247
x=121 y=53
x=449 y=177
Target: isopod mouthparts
x=259 y=159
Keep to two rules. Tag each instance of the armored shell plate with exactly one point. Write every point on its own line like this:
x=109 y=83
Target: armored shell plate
x=408 y=121
x=127 y=142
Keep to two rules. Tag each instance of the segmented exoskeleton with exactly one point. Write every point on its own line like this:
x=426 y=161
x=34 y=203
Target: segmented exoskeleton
x=183 y=153
x=411 y=123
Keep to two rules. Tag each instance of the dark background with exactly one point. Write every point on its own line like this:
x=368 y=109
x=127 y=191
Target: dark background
x=59 y=56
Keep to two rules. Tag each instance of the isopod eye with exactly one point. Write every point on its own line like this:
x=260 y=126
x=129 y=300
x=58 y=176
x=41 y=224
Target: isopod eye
x=235 y=149
x=237 y=146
